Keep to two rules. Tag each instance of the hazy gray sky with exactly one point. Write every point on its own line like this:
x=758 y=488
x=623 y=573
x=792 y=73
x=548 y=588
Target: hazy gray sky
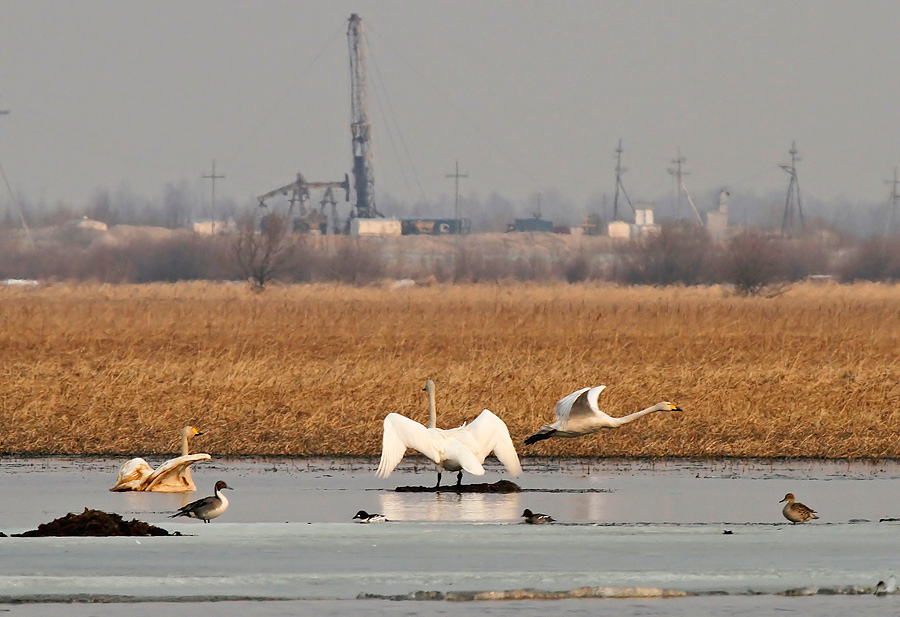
x=527 y=95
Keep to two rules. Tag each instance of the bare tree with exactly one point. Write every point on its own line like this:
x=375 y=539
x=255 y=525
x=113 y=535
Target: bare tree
x=679 y=253
x=753 y=263
x=262 y=253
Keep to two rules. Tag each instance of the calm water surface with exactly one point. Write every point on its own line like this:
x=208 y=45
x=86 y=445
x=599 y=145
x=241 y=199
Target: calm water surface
x=287 y=540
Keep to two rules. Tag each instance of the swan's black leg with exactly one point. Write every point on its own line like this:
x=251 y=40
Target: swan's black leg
x=438 y=485
x=459 y=478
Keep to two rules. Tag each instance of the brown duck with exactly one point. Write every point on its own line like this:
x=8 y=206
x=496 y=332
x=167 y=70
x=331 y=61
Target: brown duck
x=796 y=512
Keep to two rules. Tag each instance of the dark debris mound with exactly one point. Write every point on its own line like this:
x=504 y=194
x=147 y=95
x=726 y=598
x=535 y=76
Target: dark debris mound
x=93 y=523
x=501 y=486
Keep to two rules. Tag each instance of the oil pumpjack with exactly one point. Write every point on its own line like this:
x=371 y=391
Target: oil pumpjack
x=298 y=191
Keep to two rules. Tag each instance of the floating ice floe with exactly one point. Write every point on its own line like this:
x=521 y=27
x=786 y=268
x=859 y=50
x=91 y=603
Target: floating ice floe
x=609 y=592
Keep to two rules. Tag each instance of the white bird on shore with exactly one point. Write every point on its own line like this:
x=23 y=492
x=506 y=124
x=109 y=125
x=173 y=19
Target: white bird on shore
x=457 y=449
x=577 y=414
x=208 y=507
x=173 y=476
x=796 y=512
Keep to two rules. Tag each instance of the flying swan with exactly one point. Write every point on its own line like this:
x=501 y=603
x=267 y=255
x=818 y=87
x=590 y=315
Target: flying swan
x=577 y=414
x=173 y=476
x=456 y=449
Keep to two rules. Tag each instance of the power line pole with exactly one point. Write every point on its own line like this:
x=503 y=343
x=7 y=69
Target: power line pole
x=619 y=186
x=895 y=197
x=679 y=174
x=792 y=202
x=12 y=196
x=456 y=176
x=619 y=171
x=212 y=176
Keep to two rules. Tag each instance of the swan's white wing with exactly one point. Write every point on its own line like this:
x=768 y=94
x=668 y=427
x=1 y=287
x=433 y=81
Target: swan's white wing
x=564 y=405
x=579 y=413
x=459 y=452
x=132 y=474
x=172 y=475
x=593 y=407
x=488 y=433
x=399 y=434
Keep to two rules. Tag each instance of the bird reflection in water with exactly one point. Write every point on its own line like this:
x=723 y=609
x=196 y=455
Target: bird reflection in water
x=450 y=506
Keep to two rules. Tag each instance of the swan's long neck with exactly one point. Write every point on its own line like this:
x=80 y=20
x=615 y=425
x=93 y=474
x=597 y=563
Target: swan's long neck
x=633 y=416
x=432 y=413
x=185 y=448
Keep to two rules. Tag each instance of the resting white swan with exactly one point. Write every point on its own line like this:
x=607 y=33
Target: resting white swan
x=456 y=449
x=173 y=476
x=577 y=414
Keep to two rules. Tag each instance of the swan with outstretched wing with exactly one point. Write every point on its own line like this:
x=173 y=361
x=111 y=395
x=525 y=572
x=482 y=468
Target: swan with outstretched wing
x=173 y=476
x=577 y=414
x=458 y=449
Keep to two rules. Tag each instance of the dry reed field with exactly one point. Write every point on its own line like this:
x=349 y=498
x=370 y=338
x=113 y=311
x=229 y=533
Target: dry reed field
x=313 y=370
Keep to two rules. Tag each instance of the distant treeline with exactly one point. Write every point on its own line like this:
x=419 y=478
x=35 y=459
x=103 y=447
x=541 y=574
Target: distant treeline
x=178 y=205
x=750 y=261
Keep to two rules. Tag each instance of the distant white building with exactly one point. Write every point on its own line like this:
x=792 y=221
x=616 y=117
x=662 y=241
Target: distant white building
x=643 y=216
x=619 y=229
x=717 y=220
x=86 y=223
x=213 y=228
x=643 y=225
x=376 y=227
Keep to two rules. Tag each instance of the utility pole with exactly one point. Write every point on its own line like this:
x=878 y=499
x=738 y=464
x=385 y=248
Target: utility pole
x=456 y=176
x=895 y=197
x=679 y=181
x=680 y=188
x=619 y=186
x=12 y=196
x=792 y=202
x=212 y=176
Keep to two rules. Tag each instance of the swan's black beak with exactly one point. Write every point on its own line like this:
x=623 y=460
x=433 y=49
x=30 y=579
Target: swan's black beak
x=676 y=408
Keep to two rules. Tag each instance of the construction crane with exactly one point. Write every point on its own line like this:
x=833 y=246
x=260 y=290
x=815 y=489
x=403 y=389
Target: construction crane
x=360 y=128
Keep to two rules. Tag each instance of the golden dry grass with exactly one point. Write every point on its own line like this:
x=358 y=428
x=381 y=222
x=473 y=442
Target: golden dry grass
x=312 y=370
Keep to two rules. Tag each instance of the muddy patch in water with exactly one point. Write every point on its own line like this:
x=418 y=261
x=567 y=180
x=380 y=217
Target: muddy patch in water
x=501 y=486
x=93 y=523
